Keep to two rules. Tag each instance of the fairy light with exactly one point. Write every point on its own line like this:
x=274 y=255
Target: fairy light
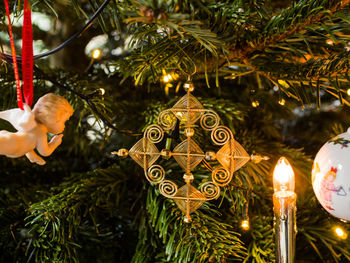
x=245 y=224
x=255 y=104
x=348 y=92
x=330 y=42
x=102 y=91
x=96 y=53
x=282 y=102
x=340 y=233
x=167 y=78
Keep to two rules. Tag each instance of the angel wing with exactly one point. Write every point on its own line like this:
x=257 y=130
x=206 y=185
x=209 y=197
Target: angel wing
x=21 y=120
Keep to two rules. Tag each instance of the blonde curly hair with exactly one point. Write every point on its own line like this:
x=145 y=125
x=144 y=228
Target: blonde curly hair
x=50 y=108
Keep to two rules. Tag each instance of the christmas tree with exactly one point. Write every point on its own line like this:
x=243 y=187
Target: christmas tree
x=276 y=73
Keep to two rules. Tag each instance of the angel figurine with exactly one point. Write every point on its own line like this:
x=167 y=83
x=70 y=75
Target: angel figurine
x=48 y=116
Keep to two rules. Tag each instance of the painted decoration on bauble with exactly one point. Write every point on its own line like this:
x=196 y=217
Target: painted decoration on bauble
x=331 y=176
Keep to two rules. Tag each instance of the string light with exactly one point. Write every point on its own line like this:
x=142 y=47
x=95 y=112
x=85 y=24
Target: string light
x=245 y=224
x=340 y=233
x=282 y=102
x=167 y=78
x=283 y=83
x=245 y=216
x=330 y=42
x=348 y=92
x=96 y=53
x=102 y=91
x=255 y=104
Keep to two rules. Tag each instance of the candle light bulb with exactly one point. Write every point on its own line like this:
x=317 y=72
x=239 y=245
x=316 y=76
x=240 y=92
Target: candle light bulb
x=283 y=176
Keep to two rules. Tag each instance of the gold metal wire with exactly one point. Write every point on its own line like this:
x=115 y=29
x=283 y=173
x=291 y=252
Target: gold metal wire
x=155 y=174
x=168 y=188
x=230 y=157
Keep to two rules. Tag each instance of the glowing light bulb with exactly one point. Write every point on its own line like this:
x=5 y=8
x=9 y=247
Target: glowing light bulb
x=166 y=78
x=348 y=92
x=96 y=53
x=282 y=102
x=245 y=224
x=340 y=233
x=283 y=176
x=102 y=91
x=330 y=42
x=255 y=104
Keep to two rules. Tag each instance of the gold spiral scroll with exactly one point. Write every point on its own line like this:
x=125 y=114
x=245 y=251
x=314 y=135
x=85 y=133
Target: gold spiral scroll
x=210 y=120
x=167 y=119
x=221 y=135
x=154 y=133
x=185 y=115
x=221 y=176
x=168 y=188
x=155 y=174
x=210 y=190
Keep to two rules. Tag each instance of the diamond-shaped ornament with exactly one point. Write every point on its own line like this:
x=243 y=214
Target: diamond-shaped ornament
x=188 y=108
x=194 y=157
x=188 y=195
x=144 y=152
x=232 y=156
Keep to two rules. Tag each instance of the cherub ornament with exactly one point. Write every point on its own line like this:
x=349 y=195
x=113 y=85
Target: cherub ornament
x=48 y=116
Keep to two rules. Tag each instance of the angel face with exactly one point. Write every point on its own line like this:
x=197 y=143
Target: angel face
x=57 y=126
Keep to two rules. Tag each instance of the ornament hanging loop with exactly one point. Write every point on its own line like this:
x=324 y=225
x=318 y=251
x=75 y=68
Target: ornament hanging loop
x=188 y=70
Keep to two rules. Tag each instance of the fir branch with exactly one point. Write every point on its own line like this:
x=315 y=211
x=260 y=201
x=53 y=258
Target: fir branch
x=314 y=14
x=318 y=231
x=210 y=238
x=261 y=247
x=54 y=222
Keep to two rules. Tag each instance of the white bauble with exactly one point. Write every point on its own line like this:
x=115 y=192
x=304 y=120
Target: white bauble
x=331 y=176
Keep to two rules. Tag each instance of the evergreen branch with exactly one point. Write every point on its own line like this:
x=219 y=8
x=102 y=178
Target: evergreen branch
x=261 y=247
x=318 y=231
x=293 y=25
x=205 y=239
x=54 y=222
x=302 y=80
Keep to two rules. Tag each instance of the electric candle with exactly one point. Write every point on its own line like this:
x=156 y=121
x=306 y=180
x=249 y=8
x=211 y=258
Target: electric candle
x=284 y=201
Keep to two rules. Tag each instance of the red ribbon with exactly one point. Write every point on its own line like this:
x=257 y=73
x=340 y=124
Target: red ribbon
x=27 y=56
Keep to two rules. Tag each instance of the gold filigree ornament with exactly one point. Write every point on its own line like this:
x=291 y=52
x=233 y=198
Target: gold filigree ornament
x=230 y=157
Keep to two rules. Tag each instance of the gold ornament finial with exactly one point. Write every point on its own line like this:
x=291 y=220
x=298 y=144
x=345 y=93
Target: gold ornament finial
x=257 y=158
x=121 y=153
x=189 y=87
x=187 y=219
x=188 y=177
x=166 y=154
x=210 y=156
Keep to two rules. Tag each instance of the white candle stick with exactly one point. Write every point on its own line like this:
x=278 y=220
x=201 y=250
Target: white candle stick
x=284 y=201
